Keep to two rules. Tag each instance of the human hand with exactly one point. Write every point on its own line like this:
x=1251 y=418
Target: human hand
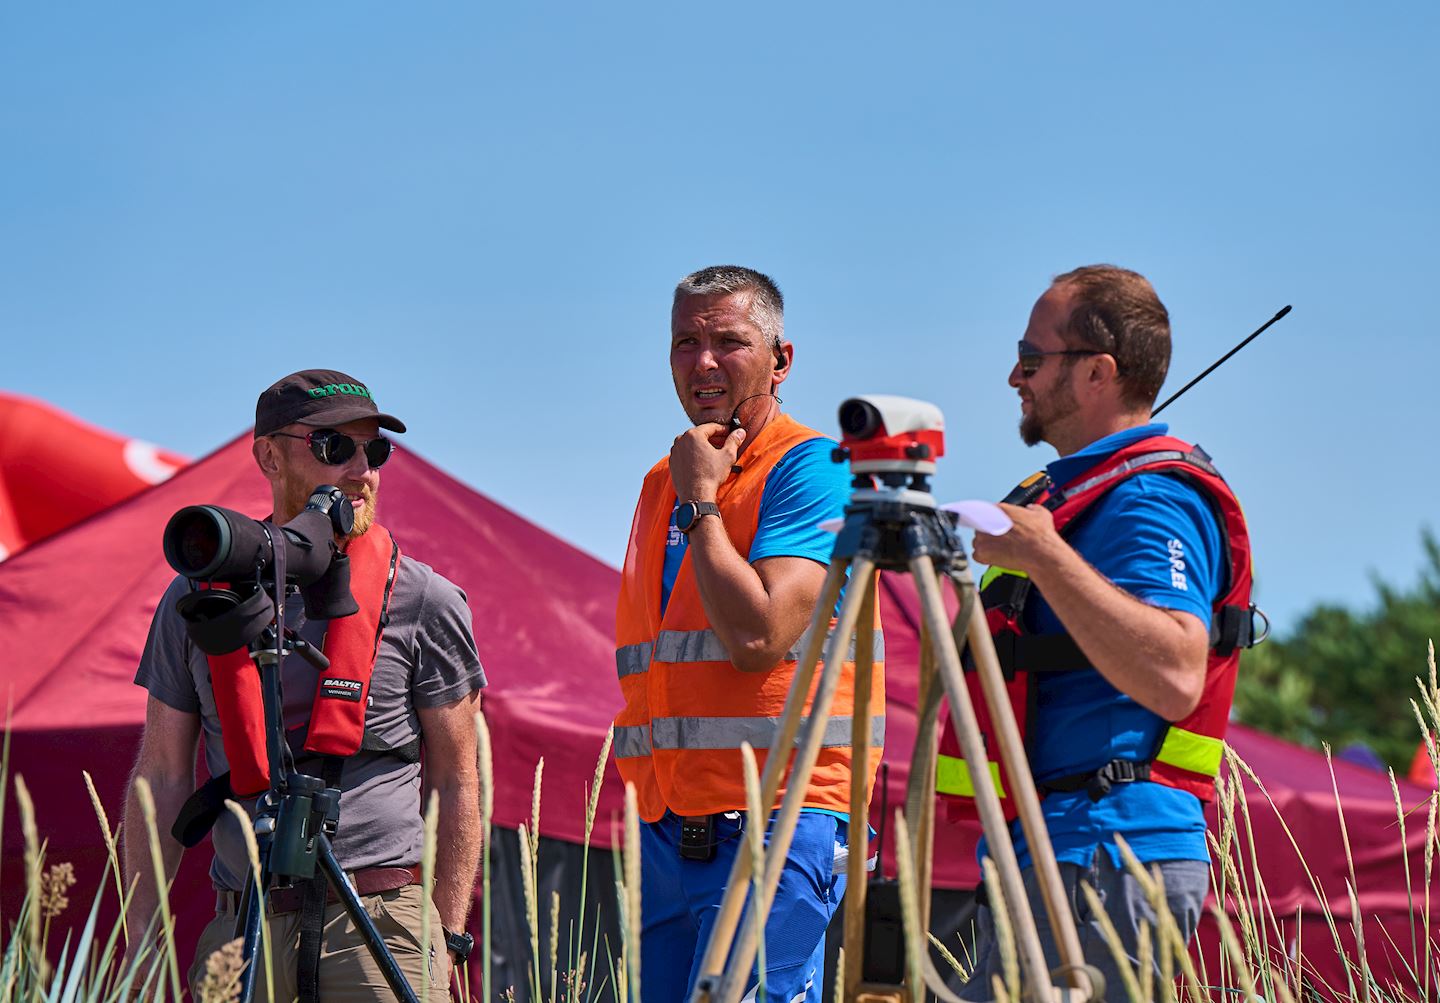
x=698 y=465
x=1030 y=543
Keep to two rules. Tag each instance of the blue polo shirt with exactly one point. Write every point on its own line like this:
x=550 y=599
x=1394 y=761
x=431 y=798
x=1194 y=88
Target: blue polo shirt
x=1157 y=537
x=803 y=490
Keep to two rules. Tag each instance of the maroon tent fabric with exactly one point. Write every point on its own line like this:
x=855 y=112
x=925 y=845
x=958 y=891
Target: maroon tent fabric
x=74 y=611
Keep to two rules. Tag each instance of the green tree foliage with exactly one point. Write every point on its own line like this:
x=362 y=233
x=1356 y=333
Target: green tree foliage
x=1344 y=676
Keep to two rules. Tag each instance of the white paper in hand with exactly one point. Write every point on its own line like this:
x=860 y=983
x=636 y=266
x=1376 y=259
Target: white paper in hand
x=987 y=517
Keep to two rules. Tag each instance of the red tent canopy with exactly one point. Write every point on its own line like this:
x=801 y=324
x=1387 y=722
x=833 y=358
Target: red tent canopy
x=74 y=612
x=56 y=470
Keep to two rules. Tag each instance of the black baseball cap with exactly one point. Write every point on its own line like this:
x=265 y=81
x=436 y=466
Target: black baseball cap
x=324 y=397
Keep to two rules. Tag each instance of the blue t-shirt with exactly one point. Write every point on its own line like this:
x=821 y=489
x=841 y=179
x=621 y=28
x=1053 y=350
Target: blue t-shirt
x=804 y=489
x=1157 y=537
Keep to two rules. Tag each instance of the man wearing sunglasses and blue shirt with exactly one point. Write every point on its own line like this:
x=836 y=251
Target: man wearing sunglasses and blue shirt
x=422 y=680
x=1122 y=597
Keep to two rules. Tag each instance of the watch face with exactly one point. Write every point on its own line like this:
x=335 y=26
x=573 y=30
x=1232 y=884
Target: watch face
x=685 y=516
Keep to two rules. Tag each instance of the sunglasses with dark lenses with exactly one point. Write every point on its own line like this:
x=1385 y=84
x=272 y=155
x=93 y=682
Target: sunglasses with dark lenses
x=1031 y=358
x=335 y=448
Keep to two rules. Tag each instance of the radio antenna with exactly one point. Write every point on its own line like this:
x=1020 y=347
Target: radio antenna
x=1220 y=361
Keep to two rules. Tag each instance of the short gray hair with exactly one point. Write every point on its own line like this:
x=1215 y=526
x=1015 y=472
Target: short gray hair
x=767 y=305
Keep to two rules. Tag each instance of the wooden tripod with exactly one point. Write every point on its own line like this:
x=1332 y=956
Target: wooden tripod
x=900 y=531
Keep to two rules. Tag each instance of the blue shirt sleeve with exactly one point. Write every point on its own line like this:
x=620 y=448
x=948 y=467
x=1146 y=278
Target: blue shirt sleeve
x=1163 y=545
x=805 y=488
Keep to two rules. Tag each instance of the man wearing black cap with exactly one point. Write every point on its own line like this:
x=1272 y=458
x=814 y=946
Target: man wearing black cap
x=423 y=681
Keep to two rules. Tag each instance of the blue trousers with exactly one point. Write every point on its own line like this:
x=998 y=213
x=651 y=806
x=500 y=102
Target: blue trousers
x=681 y=900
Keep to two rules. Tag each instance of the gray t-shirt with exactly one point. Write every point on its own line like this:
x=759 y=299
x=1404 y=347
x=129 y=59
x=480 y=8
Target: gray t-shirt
x=427 y=658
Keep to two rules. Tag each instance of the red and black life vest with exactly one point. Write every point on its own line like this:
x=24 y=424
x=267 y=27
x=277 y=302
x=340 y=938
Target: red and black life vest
x=337 y=716
x=1188 y=753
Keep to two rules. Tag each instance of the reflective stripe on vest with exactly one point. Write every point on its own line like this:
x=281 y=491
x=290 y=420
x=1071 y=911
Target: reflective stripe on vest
x=706 y=646
x=1189 y=751
x=1135 y=462
x=952 y=776
x=673 y=733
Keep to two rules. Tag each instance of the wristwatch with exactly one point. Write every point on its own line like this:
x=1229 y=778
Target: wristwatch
x=689 y=514
x=460 y=943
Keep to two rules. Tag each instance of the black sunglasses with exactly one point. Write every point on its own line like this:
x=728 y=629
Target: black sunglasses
x=334 y=448
x=1031 y=358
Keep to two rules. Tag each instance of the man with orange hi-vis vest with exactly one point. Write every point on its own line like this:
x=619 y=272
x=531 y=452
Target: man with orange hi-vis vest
x=724 y=567
x=1119 y=602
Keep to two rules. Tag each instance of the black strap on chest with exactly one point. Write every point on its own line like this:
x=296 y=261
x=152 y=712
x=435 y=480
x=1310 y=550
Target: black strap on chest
x=201 y=810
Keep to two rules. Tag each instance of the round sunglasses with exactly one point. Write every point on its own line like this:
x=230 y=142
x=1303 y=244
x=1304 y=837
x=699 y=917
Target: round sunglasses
x=336 y=448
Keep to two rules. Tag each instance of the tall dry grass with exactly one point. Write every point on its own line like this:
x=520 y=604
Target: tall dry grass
x=1261 y=957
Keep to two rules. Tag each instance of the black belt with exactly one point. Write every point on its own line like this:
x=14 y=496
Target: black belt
x=370 y=881
x=1097 y=783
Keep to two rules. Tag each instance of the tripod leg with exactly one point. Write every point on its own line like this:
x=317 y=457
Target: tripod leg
x=737 y=971
x=1027 y=800
x=920 y=790
x=371 y=936
x=247 y=928
x=733 y=902
x=1032 y=958
x=855 y=883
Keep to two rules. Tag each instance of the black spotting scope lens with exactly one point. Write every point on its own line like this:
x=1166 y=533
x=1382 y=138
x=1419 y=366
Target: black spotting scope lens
x=859 y=419
x=199 y=540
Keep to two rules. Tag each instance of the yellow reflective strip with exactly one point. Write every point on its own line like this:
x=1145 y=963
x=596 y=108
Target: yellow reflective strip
x=993 y=573
x=1189 y=751
x=952 y=776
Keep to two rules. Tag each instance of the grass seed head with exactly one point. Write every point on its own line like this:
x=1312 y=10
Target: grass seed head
x=54 y=884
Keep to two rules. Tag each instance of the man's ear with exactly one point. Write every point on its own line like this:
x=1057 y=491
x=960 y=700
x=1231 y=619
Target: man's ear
x=1102 y=371
x=267 y=457
x=784 y=356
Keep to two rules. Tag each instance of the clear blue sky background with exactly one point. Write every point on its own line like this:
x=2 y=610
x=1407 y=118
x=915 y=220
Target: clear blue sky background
x=481 y=209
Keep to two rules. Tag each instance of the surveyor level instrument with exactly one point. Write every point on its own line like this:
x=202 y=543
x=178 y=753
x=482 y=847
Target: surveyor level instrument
x=892 y=524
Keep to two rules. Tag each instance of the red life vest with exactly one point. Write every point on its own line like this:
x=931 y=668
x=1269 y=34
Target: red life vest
x=337 y=717
x=1189 y=751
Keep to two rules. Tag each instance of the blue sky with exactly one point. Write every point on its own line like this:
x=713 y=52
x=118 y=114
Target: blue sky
x=480 y=210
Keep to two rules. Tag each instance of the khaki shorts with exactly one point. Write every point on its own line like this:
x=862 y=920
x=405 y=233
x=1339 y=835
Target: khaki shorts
x=348 y=974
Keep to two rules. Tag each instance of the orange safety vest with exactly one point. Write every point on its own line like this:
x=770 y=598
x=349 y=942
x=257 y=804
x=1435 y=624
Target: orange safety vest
x=337 y=717
x=1190 y=751
x=687 y=708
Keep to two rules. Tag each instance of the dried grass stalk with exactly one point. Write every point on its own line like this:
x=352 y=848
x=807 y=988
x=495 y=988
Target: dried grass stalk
x=1113 y=941
x=1004 y=932
x=162 y=883
x=755 y=845
x=34 y=861
x=223 y=970
x=632 y=889
x=252 y=853
x=112 y=848
x=427 y=878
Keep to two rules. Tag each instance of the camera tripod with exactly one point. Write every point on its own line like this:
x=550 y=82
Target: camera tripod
x=296 y=818
x=897 y=527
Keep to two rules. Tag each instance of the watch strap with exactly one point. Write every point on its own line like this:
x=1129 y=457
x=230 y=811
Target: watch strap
x=702 y=509
x=461 y=943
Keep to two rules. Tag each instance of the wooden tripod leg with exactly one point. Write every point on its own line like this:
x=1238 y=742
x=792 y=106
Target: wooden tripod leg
x=920 y=786
x=737 y=972
x=738 y=884
x=855 y=884
x=1026 y=798
x=1037 y=985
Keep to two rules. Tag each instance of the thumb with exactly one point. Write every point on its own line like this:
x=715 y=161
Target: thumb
x=733 y=442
